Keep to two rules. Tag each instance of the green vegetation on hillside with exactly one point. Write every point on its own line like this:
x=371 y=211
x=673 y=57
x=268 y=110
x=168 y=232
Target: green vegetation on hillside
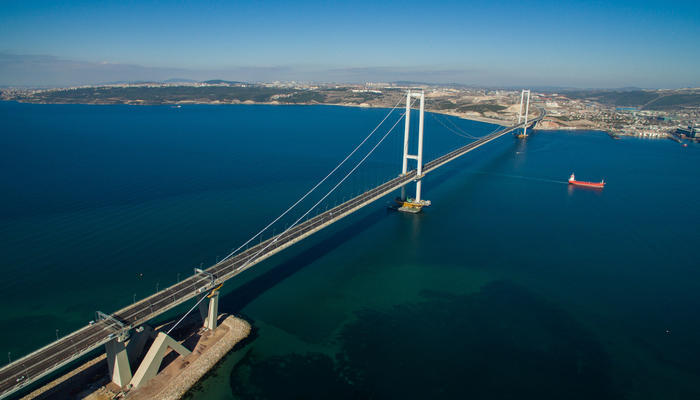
x=303 y=97
x=462 y=107
x=647 y=99
x=482 y=108
x=363 y=97
x=675 y=101
x=441 y=104
x=158 y=95
x=631 y=98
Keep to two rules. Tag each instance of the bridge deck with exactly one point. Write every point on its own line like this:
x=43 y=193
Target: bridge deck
x=61 y=352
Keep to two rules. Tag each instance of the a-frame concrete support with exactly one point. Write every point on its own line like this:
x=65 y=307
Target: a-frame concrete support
x=118 y=362
x=151 y=362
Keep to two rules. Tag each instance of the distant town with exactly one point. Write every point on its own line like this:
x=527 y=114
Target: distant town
x=661 y=113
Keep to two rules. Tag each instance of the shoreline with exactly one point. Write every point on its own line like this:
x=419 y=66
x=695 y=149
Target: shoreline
x=609 y=133
x=485 y=120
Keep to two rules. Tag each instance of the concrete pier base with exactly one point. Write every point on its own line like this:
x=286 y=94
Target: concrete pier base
x=151 y=362
x=118 y=362
x=411 y=210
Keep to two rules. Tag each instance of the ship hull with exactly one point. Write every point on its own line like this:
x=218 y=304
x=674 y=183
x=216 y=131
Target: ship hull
x=596 y=185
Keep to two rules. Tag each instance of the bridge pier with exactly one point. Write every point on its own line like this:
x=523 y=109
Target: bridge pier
x=118 y=362
x=210 y=310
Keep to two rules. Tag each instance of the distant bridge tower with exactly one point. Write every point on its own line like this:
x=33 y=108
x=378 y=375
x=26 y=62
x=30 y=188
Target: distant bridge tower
x=524 y=101
x=416 y=204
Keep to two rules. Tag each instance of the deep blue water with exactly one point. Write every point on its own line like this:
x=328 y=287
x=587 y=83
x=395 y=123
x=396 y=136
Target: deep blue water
x=512 y=285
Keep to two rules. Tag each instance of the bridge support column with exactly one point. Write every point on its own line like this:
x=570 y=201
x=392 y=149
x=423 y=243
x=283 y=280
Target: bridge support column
x=213 y=312
x=118 y=362
x=151 y=362
x=210 y=311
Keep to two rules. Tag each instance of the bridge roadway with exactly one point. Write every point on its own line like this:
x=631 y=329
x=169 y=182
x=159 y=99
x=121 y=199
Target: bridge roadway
x=41 y=362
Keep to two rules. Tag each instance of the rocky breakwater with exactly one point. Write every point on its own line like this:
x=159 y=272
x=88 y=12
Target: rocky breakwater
x=179 y=377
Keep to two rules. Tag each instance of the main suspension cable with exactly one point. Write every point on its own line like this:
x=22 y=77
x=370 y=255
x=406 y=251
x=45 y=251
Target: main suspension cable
x=462 y=133
x=315 y=186
x=253 y=257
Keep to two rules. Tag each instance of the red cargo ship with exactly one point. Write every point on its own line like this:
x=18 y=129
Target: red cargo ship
x=597 y=185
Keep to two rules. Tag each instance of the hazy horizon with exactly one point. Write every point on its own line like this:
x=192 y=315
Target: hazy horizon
x=510 y=44
x=49 y=72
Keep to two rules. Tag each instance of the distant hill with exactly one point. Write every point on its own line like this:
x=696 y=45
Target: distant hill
x=129 y=83
x=646 y=99
x=626 y=98
x=222 y=82
x=674 y=101
x=412 y=83
x=178 y=80
x=166 y=95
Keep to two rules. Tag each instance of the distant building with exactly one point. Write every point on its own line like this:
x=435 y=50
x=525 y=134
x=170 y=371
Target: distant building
x=690 y=131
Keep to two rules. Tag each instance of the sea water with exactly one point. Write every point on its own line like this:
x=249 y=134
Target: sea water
x=512 y=284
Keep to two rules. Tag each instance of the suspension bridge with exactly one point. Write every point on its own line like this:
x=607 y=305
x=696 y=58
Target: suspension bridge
x=114 y=330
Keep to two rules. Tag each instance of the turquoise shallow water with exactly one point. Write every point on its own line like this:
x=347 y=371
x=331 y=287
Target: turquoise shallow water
x=511 y=285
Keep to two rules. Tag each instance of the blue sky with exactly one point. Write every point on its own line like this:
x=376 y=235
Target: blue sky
x=508 y=43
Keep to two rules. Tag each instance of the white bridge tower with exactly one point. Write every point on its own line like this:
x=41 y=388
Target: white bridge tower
x=416 y=204
x=524 y=101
